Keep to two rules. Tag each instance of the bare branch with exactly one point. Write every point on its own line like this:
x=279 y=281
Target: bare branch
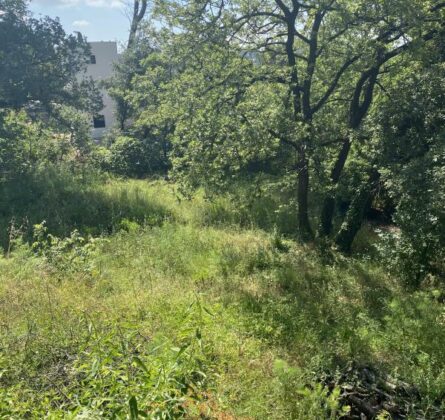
x=283 y=7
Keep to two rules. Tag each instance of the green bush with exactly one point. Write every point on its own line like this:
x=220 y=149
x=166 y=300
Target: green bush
x=23 y=144
x=136 y=158
x=128 y=157
x=412 y=129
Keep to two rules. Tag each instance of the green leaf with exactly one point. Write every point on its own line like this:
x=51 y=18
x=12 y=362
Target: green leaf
x=134 y=412
x=181 y=350
x=141 y=364
x=198 y=334
x=208 y=311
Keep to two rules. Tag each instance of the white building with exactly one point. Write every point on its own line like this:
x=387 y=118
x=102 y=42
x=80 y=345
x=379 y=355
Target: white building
x=100 y=67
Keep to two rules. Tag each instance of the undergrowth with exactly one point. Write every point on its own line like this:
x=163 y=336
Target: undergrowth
x=188 y=311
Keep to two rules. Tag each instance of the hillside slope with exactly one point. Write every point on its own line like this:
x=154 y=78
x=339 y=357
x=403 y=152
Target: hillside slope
x=182 y=316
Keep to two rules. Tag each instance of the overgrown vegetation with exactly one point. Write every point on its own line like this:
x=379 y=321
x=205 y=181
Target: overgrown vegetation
x=336 y=103
x=262 y=236
x=194 y=317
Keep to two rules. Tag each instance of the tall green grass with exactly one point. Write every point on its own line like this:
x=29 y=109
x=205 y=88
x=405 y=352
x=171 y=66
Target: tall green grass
x=187 y=310
x=68 y=199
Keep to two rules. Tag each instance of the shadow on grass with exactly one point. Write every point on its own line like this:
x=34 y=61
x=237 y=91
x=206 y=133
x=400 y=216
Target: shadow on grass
x=313 y=311
x=66 y=202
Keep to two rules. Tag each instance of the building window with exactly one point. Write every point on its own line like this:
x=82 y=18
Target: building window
x=93 y=59
x=99 y=121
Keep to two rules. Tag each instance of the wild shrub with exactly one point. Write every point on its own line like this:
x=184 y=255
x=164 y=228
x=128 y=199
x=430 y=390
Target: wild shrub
x=134 y=157
x=412 y=127
x=67 y=255
x=310 y=401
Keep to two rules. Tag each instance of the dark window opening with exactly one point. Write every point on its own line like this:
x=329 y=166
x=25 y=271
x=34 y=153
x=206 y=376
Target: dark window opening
x=99 y=121
x=93 y=59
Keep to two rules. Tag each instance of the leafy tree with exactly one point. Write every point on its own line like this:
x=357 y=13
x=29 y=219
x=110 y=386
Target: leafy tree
x=256 y=80
x=18 y=144
x=126 y=69
x=136 y=86
x=17 y=7
x=129 y=63
x=40 y=64
x=412 y=161
x=25 y=144
x=42 y=79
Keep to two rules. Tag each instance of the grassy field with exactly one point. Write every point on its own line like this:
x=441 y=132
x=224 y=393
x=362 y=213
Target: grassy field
x=186 y=309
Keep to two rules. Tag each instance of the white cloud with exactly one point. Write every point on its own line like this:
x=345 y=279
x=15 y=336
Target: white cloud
x=80 y=23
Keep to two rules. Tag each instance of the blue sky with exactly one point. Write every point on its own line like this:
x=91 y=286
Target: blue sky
x=99 y=20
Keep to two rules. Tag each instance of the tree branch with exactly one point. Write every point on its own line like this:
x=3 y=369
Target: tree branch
x=334 y=83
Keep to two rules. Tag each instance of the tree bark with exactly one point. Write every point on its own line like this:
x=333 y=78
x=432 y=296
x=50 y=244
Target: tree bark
x=328 y=209
x=356 y=212
x=303 y=194
x=139 y=10
x=360 y=104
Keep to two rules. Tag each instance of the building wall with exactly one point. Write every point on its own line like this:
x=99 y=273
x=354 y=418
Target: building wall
x=105 y=54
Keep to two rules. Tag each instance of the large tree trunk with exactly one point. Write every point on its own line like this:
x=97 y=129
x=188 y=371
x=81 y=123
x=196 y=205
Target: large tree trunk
x=356 y=213
x=361 y=101
x=328 y=209
x=303 y=195
x=301 y=111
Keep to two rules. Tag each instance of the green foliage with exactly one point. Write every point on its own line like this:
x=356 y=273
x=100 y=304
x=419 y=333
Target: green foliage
x=46 y=102
x=131 y=157
x=149 y=299
x=244 y=89
x=128 y=67
x=187 y=319
x=127 y=157
x=40 y=63
x=27 y=145
x=413 y=134
x=20 y=144
x=67 y=255
x=140 y=148
x=69 y=199
x=316 y=401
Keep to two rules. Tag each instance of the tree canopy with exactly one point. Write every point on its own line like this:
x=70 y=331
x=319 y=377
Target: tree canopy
x=255 y=78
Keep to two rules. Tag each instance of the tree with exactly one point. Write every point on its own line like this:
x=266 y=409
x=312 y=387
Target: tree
x=362 y=100
x=40 y=64
x=128 y=66
x=130 y=87
x=17 y=7
x=129 y=63
x=411 y=129
x=323 y=60
x=139 y=10
x=41 y=80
